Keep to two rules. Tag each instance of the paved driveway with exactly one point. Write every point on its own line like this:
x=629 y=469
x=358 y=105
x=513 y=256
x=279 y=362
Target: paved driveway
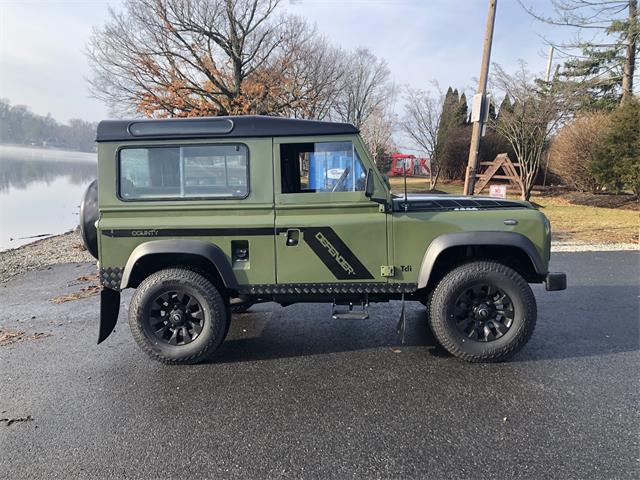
x=295 y=394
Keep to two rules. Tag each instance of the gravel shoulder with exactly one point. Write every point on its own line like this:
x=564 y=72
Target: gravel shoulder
x=65 y=248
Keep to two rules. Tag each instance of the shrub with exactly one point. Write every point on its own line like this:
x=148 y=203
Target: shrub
x=573 y=151
x=617 y=160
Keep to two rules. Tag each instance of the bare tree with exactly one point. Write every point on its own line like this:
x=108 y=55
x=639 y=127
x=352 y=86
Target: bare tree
x=190 y=57
x=225 y=57
x=314 y=71
x=377 y=132
x=602 y=55
x=536 y=112
x=366 y=85
x=422 y=112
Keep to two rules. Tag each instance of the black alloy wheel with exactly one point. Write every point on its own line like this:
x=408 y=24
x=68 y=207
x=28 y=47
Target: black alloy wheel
x=483 y=312
x=176 y=317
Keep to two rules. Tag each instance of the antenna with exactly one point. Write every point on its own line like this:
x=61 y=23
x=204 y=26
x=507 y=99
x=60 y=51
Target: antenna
x=406 y=205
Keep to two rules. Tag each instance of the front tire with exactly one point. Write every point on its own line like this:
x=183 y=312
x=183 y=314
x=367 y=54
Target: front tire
x=483 y=312
x=177 y=316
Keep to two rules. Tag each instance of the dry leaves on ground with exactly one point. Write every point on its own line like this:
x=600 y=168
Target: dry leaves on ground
x=7 y=337
x=84 y=292
x=92 y=278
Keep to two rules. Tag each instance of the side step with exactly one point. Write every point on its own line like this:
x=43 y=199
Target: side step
x=346 y=311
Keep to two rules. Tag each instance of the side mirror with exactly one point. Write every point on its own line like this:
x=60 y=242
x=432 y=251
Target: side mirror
x=369 y=184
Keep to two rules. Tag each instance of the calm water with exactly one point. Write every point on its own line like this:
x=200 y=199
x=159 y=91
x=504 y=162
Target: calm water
x=40 y=191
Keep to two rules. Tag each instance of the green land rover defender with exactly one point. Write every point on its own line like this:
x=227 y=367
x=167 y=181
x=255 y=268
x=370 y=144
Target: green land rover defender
x=204 y=217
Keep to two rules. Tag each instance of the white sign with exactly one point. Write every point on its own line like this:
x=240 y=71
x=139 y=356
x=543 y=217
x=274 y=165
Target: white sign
x=498 y=191
x=335 y=173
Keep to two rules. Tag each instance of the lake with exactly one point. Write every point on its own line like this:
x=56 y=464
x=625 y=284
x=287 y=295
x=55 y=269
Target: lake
x=40 y=191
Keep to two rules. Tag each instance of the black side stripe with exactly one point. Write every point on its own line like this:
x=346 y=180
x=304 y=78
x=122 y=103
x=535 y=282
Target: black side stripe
x=189 y=232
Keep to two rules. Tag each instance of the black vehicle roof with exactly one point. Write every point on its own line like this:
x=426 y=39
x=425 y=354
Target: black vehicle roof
x=216 y=127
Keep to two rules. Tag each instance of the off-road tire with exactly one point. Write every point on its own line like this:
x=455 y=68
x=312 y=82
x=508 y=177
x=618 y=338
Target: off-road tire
x=427 y=301
x=444 y=327
x=214 y=306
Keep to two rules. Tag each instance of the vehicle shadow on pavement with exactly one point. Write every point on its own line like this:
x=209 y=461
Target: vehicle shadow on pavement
x=269 y=332
x=585 y=321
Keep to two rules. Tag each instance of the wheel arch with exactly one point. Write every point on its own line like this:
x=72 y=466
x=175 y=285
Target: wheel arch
x=157 y=254
x=513 y=249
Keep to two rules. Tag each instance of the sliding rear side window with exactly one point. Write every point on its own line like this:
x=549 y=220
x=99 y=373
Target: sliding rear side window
x=175 y=172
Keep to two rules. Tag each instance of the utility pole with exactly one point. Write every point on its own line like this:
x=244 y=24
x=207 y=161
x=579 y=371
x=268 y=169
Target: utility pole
x=549 y=62
x=630 y=57
x=547 y=79
x=476 y=133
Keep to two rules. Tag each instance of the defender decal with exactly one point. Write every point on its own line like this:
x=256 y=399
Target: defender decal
x=333 y=252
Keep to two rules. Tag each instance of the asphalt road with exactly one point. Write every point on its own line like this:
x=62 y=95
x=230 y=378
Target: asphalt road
x=294 y=394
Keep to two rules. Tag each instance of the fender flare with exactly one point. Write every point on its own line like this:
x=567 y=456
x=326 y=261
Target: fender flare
x=206 y=250
x=512 y=239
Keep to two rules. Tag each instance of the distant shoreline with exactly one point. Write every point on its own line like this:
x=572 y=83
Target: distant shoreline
x=44 y=149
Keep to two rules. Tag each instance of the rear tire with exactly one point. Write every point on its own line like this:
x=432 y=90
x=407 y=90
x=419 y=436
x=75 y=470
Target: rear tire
x=483 y=312
x=177 y=316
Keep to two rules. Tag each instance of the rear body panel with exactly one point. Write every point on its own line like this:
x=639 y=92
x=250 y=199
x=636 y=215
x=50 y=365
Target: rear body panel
x=124 y=225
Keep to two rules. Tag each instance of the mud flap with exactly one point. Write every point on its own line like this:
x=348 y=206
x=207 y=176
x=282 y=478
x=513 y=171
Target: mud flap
x=109 y=309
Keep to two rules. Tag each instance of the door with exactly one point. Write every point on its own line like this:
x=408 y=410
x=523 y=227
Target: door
x=327 y=230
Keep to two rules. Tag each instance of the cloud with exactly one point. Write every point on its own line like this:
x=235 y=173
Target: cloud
x=42 y=64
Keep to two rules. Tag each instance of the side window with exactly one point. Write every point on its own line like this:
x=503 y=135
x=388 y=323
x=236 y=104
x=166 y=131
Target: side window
x=320 y=167
x=200 y=171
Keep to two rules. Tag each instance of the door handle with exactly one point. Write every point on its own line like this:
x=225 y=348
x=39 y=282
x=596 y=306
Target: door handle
x=293 y=237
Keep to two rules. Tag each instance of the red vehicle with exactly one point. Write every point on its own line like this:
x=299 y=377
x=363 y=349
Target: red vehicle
x=414 y=166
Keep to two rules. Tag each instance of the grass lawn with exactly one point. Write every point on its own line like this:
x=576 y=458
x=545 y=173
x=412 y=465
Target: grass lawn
x=569 y=222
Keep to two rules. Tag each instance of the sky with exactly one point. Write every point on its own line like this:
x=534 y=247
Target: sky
x=42 y=42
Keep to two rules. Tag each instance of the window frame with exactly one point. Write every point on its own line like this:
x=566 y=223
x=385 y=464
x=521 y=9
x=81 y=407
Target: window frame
x=180 y=145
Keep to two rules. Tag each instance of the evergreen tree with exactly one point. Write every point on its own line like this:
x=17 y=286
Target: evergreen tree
x=617 y=161
x=492 y=111
x=602 y=54
x=463 y=109
x=451 y=138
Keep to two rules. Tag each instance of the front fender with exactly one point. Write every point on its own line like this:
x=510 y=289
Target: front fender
x=449 y=240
